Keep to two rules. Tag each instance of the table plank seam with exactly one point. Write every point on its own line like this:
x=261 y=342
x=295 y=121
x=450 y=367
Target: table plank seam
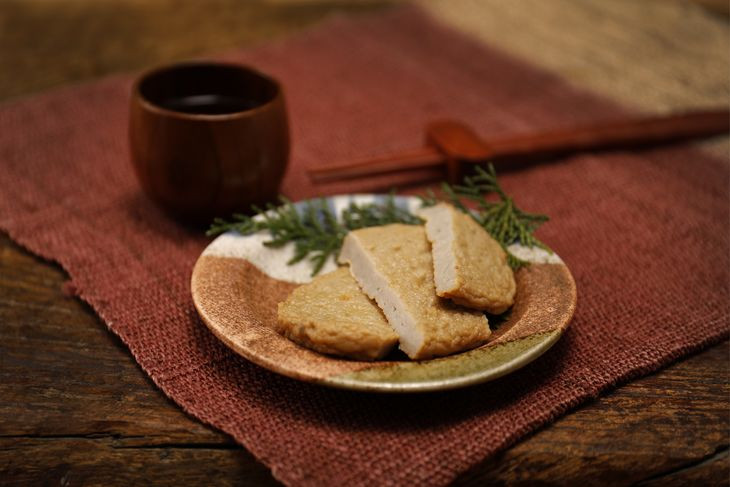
x=722 y=451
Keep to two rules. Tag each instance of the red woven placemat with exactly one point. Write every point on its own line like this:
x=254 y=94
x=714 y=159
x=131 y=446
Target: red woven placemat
x=644 y=234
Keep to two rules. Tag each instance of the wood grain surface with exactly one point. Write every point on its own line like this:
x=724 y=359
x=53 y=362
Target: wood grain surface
x=75 y=409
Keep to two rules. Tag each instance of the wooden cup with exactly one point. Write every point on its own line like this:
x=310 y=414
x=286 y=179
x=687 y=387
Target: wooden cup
x=208 y=139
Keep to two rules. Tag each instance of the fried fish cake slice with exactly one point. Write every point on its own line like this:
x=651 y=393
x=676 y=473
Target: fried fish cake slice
x=393 y=265
x=470 y=267
x=332 y=315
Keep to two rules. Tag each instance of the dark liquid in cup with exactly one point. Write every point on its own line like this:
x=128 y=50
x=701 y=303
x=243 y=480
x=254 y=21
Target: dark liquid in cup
x=209 y=104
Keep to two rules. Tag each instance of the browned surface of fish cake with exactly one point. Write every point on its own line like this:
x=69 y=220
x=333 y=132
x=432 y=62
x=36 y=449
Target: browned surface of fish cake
x=332 y=315
x=393 y=265
x=470 y=267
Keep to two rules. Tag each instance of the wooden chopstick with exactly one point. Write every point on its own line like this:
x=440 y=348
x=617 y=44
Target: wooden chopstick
x=628 y=133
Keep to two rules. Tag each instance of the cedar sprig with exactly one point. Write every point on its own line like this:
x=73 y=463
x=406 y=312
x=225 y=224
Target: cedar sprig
x=315 y=230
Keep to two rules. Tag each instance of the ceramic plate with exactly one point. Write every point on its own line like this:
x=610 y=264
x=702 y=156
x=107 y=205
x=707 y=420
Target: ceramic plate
x=237 y=283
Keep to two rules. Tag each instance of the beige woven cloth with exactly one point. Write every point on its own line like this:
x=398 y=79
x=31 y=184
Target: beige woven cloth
x=659 y=55
x=656 y=55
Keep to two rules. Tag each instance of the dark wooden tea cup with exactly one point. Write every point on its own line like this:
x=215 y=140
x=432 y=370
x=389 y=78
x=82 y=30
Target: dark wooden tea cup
x=208 y=139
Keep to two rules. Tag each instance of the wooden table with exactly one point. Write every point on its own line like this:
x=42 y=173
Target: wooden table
x=76 y=409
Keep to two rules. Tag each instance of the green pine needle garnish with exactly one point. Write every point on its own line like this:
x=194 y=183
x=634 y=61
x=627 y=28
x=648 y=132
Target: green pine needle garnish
x=317 y=234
